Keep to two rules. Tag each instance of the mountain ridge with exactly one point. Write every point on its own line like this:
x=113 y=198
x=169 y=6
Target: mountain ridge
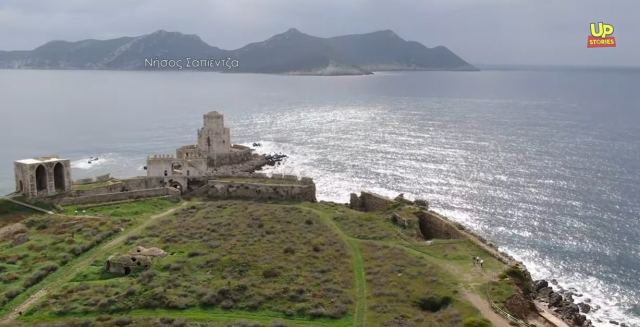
x=290 y=52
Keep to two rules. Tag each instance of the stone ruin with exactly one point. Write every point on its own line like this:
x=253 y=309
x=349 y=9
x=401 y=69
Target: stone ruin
x=42 y=176
x=138 y=259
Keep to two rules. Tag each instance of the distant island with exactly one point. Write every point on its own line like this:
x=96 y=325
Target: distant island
x=291 y=52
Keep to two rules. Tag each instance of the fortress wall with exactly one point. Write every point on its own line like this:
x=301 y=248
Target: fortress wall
x=238 y=154
x=157 y=165
x=129 y=184
x=433 y=226
x=369 y=202
x=432 y=223
x=245 y=190
x=120 y=196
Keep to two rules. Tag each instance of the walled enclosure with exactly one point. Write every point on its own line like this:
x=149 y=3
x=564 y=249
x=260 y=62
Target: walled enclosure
x=287 y=187
x=42 y=177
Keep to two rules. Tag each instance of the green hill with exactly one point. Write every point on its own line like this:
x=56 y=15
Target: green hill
x=244 y=263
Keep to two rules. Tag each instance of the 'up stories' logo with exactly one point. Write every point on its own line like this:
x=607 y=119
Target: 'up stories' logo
x=600 y=36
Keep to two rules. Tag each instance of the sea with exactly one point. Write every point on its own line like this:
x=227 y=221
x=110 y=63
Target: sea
x=545 y=163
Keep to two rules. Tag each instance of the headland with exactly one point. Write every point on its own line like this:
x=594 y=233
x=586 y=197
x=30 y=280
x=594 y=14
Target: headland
x=205 y=239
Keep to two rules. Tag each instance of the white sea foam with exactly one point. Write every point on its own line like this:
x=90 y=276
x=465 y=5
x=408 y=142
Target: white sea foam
x=91 y=163
x=607 y=302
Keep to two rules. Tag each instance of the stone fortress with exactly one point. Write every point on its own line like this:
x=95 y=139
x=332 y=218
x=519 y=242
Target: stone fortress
x=213 y=167
x=214 y=154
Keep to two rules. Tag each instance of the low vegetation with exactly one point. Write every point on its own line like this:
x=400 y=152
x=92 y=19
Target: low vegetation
x=230 y=256
x=52 y=241
x=407 y=291
x=243 y=263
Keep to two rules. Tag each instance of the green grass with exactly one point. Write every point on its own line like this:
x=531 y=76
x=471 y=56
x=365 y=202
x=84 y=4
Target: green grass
x=57 y=240
x=399 y=280
x=228 y=255
x=212 y=317
x=252 y=263
x=53 y=240
x=11 y=212
x=122 y=209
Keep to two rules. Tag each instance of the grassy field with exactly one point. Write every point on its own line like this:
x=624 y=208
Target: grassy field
x=243 y=263
x=55 y=240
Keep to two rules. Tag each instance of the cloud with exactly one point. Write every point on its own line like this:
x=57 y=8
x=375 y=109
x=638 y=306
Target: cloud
x=490 y=31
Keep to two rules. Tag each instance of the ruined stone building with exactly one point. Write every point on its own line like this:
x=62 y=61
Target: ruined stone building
x=42 y=177
x=212 y=150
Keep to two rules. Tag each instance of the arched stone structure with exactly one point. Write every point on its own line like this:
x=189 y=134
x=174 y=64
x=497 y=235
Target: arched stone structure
x=59 y=180
x=42 y=177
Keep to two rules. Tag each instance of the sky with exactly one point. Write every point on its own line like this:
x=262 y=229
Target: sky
x=510 y=32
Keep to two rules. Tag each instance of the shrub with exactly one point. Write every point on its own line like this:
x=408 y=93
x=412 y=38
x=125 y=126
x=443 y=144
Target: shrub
x=289 y=250
x=12 y=293
x=123 y=321
x=40 y=275
x=192 y=254
x=278 y=323
x=210 y=298
x=434 y=303
x=476 y=322
x=146 y=277
x=270 y=273
x=227 y=304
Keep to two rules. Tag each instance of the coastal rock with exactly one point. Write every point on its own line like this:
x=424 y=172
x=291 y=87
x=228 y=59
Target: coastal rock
x=568 y=296
x=568 y=310
x=584 y=308
x=540 y=284
x=554 y=299
x=544 y=292
x=613 y=322
x=579 y=320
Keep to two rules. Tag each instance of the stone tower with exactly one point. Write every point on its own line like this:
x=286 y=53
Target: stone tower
x=213 y=137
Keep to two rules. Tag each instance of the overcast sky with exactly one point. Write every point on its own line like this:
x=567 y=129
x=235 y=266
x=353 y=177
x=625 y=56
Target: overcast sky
x=480 y=31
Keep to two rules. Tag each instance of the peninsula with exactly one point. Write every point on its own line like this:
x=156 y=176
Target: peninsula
x=205 y=239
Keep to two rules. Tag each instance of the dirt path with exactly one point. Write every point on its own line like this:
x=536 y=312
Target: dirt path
x=68 y=272
x=485 y=309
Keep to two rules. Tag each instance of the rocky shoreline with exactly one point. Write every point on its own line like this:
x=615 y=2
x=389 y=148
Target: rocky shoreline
x=567 y=305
